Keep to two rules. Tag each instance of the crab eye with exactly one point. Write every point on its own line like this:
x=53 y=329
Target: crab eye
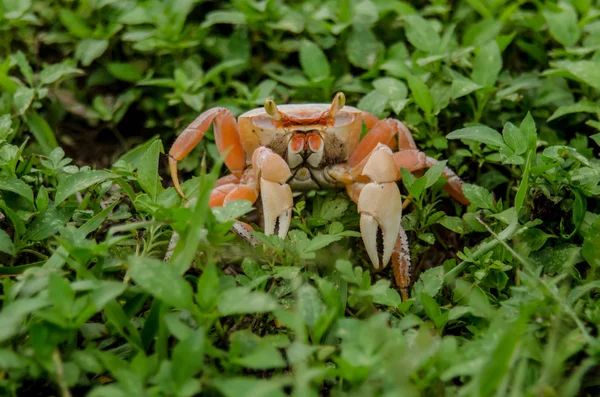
x=338 y=102
x=271 y=109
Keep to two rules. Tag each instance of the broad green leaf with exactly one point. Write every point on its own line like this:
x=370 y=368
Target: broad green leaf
x=463 y=86
x=41 y=131
x=14 y=9
x=75 y=24
x=79 y=181
x=148 y=170
x=374 y=102
x=248 y=386
x=479 y=133
x=16 y=185
x=421 y=94
x=421 y=34
x=514 y=138
x=562 y=22
x=6 y=244
x=161 y=280
x=478 y=196
x=88 y=50
x=362 y=47
x=241 y=301
x=124 y=71
x=226 y=17
x=13 y=314
x=188 y=357
x=313 y=60
x=393 y=88
x=487 y=65
x=583 y=106
x=454 y=223
x=23 y=98
x=48 y=223
x=584 y=71
x=208 y=288
x=434 y=173
x=53 y=73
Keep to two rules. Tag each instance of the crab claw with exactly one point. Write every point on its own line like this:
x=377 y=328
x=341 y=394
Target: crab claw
x=277 y=207
x=380 y=207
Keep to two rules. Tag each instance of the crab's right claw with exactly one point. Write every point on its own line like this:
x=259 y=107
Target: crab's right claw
x=380 y=207
x=277 y=207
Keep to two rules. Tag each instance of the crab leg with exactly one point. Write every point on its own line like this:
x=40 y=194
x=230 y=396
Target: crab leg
x=226 y=138
x=273 y=173
x=414 y=160
x=383 y=132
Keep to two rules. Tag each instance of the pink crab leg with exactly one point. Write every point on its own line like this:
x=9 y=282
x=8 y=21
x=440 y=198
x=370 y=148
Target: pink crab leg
x=230 y=188
x=414 y=160
x=226 y=138
x=273 y=173
x=384 y=132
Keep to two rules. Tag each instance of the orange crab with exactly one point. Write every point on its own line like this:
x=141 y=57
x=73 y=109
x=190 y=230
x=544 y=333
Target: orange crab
x=275 y=150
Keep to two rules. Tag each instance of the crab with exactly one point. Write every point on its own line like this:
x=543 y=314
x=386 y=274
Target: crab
x=276 y=151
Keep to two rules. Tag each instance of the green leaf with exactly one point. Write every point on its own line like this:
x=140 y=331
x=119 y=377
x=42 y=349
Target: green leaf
x=226 y=17
x=88 y=50
x=478 y=196
x=362 y=47
x=51 y=74
x=148 y=170
x=584 y=71
x=79 y=181
x=393 y=88
x=421 y=94
x=514 y=138
x=208 y=288
x=479 y=133
x=487 y=65
x=14 y=9
x=15 y=185
x=41 y=131
x=161 y=280
x=74 y=23
x=13 y=314
x=421 y=34
x=264 y=357
x=6 y=244
x=374 y=102
x=48 y=223
x=529 y=129
x=583 y=106
x=124 y=71
x=454 y=223
x=462 y=86
x=562 y=22
x=188 y=358
x=434 y=173
x=313 y=61
x=247 y=386
x=242 y=301
x=23 y=98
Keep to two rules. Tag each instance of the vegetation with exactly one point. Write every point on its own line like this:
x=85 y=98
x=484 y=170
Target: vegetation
x=505 y=300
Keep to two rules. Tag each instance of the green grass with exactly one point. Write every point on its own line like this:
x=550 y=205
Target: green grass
x=505 y=299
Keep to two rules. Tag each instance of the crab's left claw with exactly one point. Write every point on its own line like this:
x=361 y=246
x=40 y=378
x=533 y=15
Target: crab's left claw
x=380 y=207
